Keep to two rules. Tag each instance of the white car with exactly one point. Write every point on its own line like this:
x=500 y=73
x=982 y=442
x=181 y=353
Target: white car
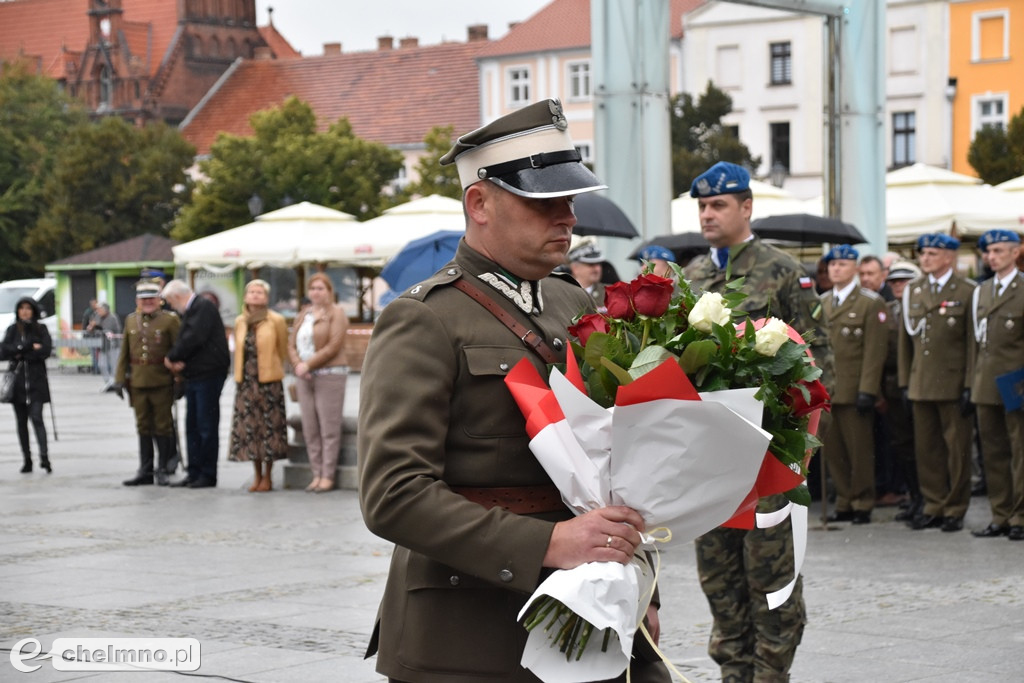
x=41 y=289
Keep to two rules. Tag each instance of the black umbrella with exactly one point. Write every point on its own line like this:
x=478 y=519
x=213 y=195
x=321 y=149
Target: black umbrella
x=806 y=229
x=685 y=245
x=597 y=215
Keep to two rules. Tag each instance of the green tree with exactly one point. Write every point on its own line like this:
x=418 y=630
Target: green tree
x=35 y=118
x=699 y=139
x=433 y=177
x=287 y=159
x=997 y=154
x=110 y=181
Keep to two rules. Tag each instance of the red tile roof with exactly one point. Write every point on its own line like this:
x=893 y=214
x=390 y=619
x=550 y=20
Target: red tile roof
x=142 y=249
x=393 y=96
x=565 y=24
x=280 y=46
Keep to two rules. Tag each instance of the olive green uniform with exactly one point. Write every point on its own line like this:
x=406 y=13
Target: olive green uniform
x=435 y=414
x=935 y=365
x=859 y=335
x=738 y=567
x=140 y=368
x=1000 y=349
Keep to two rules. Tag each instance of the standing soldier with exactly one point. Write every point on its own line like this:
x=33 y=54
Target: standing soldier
x=999 y=331
x=935 y=359
x=738 y=567
x=857 y=330
x=148 y=333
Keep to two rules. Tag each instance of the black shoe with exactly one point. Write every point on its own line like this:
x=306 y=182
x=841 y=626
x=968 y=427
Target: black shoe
x=952 y=523
x=1016 y=533
x=979 y=489
x=926 y=522
x=841 y=516
x=140 y=480
x=202 y=483
x=861 y=517
x=161 y=478
x=991 y=531
x=181 y=483
x=44 y=462
x=27 y=467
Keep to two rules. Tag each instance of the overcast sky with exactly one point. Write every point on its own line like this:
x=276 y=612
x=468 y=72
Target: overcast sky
x=308 y=24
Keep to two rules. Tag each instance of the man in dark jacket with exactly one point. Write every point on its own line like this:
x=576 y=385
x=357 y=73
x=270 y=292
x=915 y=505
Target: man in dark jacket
x=201 y=356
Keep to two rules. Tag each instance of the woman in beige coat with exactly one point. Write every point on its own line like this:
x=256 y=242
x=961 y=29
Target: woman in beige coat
x=259 y=431
x=317 y=352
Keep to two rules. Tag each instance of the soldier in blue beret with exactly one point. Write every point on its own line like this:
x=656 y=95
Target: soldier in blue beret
x=998 y=312
x=659 y=258
x=722 y=178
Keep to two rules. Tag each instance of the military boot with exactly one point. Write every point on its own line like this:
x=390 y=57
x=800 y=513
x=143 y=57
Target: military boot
x=164 y=447
x=145 y=474
x=26 y=466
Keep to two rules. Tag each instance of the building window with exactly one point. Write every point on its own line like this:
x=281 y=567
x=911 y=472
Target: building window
x=732 y=130
x=579 y=80
x=782 y=63
x=586 y=152
x=779 y=135
x=106 y=87
x=989 y=112
x=990 y=35
x=518 y=86
x=904 y=136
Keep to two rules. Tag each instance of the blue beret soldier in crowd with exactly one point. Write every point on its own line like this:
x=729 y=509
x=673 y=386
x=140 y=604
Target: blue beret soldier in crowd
x=935 y=359
x=446 y=471
x=659 y=257
x=857 y=326
x=738 y=567
x=998 y=313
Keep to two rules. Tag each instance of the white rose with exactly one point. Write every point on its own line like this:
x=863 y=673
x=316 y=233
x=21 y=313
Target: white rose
x=769 y=338
x=708 y=310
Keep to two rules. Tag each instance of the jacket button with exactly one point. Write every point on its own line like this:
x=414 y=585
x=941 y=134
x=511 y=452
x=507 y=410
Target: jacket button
x=454 y=580
x=452 y=271
x=557 y=343
x=503 y=367
x=505 y=575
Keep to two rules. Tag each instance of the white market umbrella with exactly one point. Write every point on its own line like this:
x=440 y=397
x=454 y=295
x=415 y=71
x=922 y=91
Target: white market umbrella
x=1012 y=185
x=768 y=201
x=279 y=238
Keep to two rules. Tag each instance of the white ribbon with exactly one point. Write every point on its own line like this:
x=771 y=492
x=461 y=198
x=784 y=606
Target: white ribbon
x=798 y=515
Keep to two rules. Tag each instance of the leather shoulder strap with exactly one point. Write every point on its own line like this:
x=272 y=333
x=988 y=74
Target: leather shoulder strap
x=528 y=337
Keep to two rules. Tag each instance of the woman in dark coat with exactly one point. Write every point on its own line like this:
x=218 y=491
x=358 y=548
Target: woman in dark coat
x=27 y=345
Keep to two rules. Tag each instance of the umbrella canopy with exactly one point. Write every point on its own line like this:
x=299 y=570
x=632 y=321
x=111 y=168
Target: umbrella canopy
x=768 y=201
x=375 y=241
x=1013 y=185
x=420 y=259
x=276 y=238
x=597 y=215
x=806 y=229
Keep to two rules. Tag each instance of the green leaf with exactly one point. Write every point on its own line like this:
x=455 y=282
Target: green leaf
x=697 y=354
x=620 y=374
x=648 y=359
x=800 y=495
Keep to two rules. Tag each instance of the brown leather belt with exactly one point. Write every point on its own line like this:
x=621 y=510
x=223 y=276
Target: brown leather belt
x=522 y=500
x=148 y=362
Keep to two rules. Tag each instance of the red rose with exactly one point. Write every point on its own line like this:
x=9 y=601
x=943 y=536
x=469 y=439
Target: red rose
x=651 y=294
x=587 y=325
x=617 y=301
x=801 y=407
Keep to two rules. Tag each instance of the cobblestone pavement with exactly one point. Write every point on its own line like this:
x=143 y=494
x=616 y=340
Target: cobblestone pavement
x=284 y=586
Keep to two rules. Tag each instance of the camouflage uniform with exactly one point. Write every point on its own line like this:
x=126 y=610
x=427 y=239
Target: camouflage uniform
x=737 y=567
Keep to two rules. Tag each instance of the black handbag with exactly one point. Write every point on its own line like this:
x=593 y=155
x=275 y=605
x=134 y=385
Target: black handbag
x=7 y=385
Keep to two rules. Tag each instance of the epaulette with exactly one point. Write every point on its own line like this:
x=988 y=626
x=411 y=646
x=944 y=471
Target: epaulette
x=870 y=293
x=445 y=276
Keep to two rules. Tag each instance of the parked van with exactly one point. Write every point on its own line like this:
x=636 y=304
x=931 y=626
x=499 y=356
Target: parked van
x=41 y=289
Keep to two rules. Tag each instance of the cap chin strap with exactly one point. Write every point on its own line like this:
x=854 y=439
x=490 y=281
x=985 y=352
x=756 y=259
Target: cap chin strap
x=539 y=160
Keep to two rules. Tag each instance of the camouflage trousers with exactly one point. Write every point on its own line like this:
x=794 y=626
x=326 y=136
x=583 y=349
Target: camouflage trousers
x=737 y=568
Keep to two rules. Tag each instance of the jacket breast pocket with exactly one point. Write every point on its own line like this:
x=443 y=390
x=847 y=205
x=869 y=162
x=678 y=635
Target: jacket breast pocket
x=484 y=404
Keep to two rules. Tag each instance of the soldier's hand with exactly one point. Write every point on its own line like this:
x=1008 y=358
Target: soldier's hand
x=865 y=403
x=608 y=534
x=905 y=395
x=966 y=407
x=118 y=389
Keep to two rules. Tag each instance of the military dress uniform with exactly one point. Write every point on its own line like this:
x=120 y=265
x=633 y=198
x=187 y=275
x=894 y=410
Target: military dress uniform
x=859 y=335
x=738 y=567
x=935 y=359
x=140 y=368
x=1000 y=349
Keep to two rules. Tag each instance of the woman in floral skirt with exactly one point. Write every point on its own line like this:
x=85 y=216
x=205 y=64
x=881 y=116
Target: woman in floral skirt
x=259 y=431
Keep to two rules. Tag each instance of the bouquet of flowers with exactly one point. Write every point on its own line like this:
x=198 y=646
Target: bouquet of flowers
x=681 y=408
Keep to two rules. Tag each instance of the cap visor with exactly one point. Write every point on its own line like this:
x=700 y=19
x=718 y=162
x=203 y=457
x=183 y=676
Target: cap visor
x=558 y=180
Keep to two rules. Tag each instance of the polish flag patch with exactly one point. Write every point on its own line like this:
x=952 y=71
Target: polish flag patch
x=806 y=283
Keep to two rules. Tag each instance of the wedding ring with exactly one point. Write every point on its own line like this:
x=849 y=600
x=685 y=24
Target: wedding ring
x=608 y=543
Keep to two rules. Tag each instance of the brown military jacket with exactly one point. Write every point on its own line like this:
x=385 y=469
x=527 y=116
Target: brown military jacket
x=936 y=353
x=859 y=334
x=1000 y=338
x=435 y=413
x=776 y=285
x=147 y=338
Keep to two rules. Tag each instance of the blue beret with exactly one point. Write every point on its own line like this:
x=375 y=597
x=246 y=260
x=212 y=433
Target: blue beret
x=722 y=178
x=653 y=251
x=997 y=236
x=937 y=240
x=842 y=251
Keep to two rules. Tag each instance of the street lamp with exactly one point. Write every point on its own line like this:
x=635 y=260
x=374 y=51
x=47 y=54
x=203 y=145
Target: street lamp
x=255 y=204
x=777 y=174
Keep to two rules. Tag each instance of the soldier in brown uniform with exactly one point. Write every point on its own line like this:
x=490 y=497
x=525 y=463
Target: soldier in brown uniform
x=738 y=567
x=935 y=360
x=446 y=469
x=585 y=266
x=998 y=308
x=857 y=329
x=148 y=333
